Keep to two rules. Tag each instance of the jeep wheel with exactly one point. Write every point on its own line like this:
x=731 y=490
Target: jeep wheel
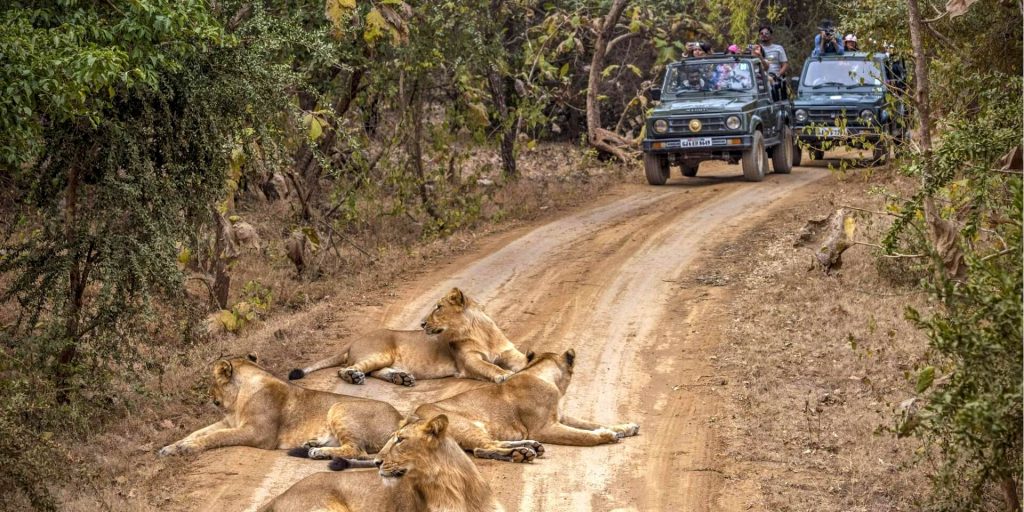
x=755 y=159
x=782 y=156
x=656 y=168
x=689 y=170
x=797 y=155
x=817 y=154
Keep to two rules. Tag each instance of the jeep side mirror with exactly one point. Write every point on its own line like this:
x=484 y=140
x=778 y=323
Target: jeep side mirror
x=654 y=94
x=795 y=83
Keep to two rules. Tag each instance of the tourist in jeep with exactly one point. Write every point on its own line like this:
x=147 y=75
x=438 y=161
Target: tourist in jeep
x=773 y=53
x=850 y=43
x=825 y=43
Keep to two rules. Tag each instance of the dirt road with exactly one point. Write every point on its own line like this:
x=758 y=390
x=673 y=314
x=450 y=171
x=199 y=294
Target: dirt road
x=614 y=282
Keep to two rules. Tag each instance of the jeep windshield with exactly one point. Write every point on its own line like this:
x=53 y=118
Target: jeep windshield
x=701 y=78
x=846 y=74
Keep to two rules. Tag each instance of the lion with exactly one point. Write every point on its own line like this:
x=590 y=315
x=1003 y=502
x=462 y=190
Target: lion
x=509 y=421
x=263 y=411
x=421 y=468
x=458 y=339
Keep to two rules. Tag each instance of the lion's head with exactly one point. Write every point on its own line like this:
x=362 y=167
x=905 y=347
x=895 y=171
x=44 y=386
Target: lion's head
x=413 y=449
x=552 y=367
x=225 y=384
x=454 y=312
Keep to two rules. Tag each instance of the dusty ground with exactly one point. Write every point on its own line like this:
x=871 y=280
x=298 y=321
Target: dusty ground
x=678 y=301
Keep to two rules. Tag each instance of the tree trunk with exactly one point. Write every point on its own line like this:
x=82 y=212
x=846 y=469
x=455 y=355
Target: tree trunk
x=503 y=91
x=414 y=149
x=600 y=138
x=1010 y=494
x=304 y=161
x=224 y=252
x=944 y=235
x=76 y=288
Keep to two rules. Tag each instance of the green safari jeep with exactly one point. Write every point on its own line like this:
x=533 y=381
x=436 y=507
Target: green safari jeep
x=719 y=107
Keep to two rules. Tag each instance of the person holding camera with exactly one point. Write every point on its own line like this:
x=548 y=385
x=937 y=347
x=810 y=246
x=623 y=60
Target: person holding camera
x=825 y=42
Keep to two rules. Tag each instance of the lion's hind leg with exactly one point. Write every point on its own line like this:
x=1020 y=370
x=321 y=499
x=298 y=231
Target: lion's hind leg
x=624 y=429
x=356 y=374
x=395 y=376
x=557 y=433
x=473 y=437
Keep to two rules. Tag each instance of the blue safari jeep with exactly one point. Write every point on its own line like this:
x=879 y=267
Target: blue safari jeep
x=719 y=107
x=849 y=100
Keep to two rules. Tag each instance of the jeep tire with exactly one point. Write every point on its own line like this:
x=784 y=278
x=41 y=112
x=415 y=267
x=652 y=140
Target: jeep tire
x=817 y=154
x=797 y=155
x=656 y=168
x=782 y=156
x=689 y=170
x=755 y=159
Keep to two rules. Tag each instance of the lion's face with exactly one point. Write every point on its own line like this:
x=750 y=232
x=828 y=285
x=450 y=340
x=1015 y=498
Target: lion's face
x=412 y=448
x=224 y=386
x=449 y=313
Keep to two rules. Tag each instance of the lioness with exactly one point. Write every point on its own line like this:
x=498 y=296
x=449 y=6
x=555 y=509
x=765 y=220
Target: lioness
x=263 y=411
x=421 y=469
x=468 y=344
x=509 y=421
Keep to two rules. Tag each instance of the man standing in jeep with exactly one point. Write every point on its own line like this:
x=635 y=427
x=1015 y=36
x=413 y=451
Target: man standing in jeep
x=775 y=54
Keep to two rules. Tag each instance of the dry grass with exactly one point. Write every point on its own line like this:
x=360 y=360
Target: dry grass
x=818 y=364
x=307 y=316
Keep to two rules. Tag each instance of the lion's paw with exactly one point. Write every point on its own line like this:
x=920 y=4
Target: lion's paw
x=402 y=379
x=608 y=435
x=318 y=454
x=537 y=448
x=352 y=376
x=627 y=429
x=176 y=449
x=498 y=379
x=523 y=454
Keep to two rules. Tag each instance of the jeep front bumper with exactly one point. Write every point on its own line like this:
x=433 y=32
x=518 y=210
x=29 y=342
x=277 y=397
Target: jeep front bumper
x=698 y=144
x=844 y=135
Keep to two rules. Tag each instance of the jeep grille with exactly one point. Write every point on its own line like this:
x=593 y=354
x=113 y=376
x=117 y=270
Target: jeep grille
x=681 y=125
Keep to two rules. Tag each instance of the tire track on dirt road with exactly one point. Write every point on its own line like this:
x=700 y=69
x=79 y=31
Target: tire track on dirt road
x=604 y=281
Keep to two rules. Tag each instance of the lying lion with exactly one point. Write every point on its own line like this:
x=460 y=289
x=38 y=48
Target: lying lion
x=421 y=469
x=263 y=411
x=510 y=421
x=468 y=344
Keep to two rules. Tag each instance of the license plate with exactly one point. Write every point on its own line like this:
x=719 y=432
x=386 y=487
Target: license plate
x=831 y=131
x=695 y=142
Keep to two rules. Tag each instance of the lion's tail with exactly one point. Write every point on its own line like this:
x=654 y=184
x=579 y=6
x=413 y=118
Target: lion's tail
x=337 y=359
x=340 y=464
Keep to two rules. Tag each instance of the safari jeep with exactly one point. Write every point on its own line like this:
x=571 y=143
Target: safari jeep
x=720 y=107
x=848 y=100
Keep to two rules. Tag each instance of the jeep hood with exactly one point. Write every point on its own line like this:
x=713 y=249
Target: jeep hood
x=838 y=99
x=708 y=105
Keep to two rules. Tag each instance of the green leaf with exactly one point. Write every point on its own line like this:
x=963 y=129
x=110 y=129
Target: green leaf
x=636 y=71
x=925 y=378
x=376 y=25
x=337 y=11
x=609 y=70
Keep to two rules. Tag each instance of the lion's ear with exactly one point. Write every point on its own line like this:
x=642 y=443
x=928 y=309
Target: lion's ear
x=222 y=371
x=529 y=356
x=456 y=297
x=570 y=357
x=253 y=357
x=436 y=426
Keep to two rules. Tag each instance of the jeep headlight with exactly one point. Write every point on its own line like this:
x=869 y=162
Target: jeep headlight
x=732 y=122
x=801 y=115
x=660 y=126
x=867 y=115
